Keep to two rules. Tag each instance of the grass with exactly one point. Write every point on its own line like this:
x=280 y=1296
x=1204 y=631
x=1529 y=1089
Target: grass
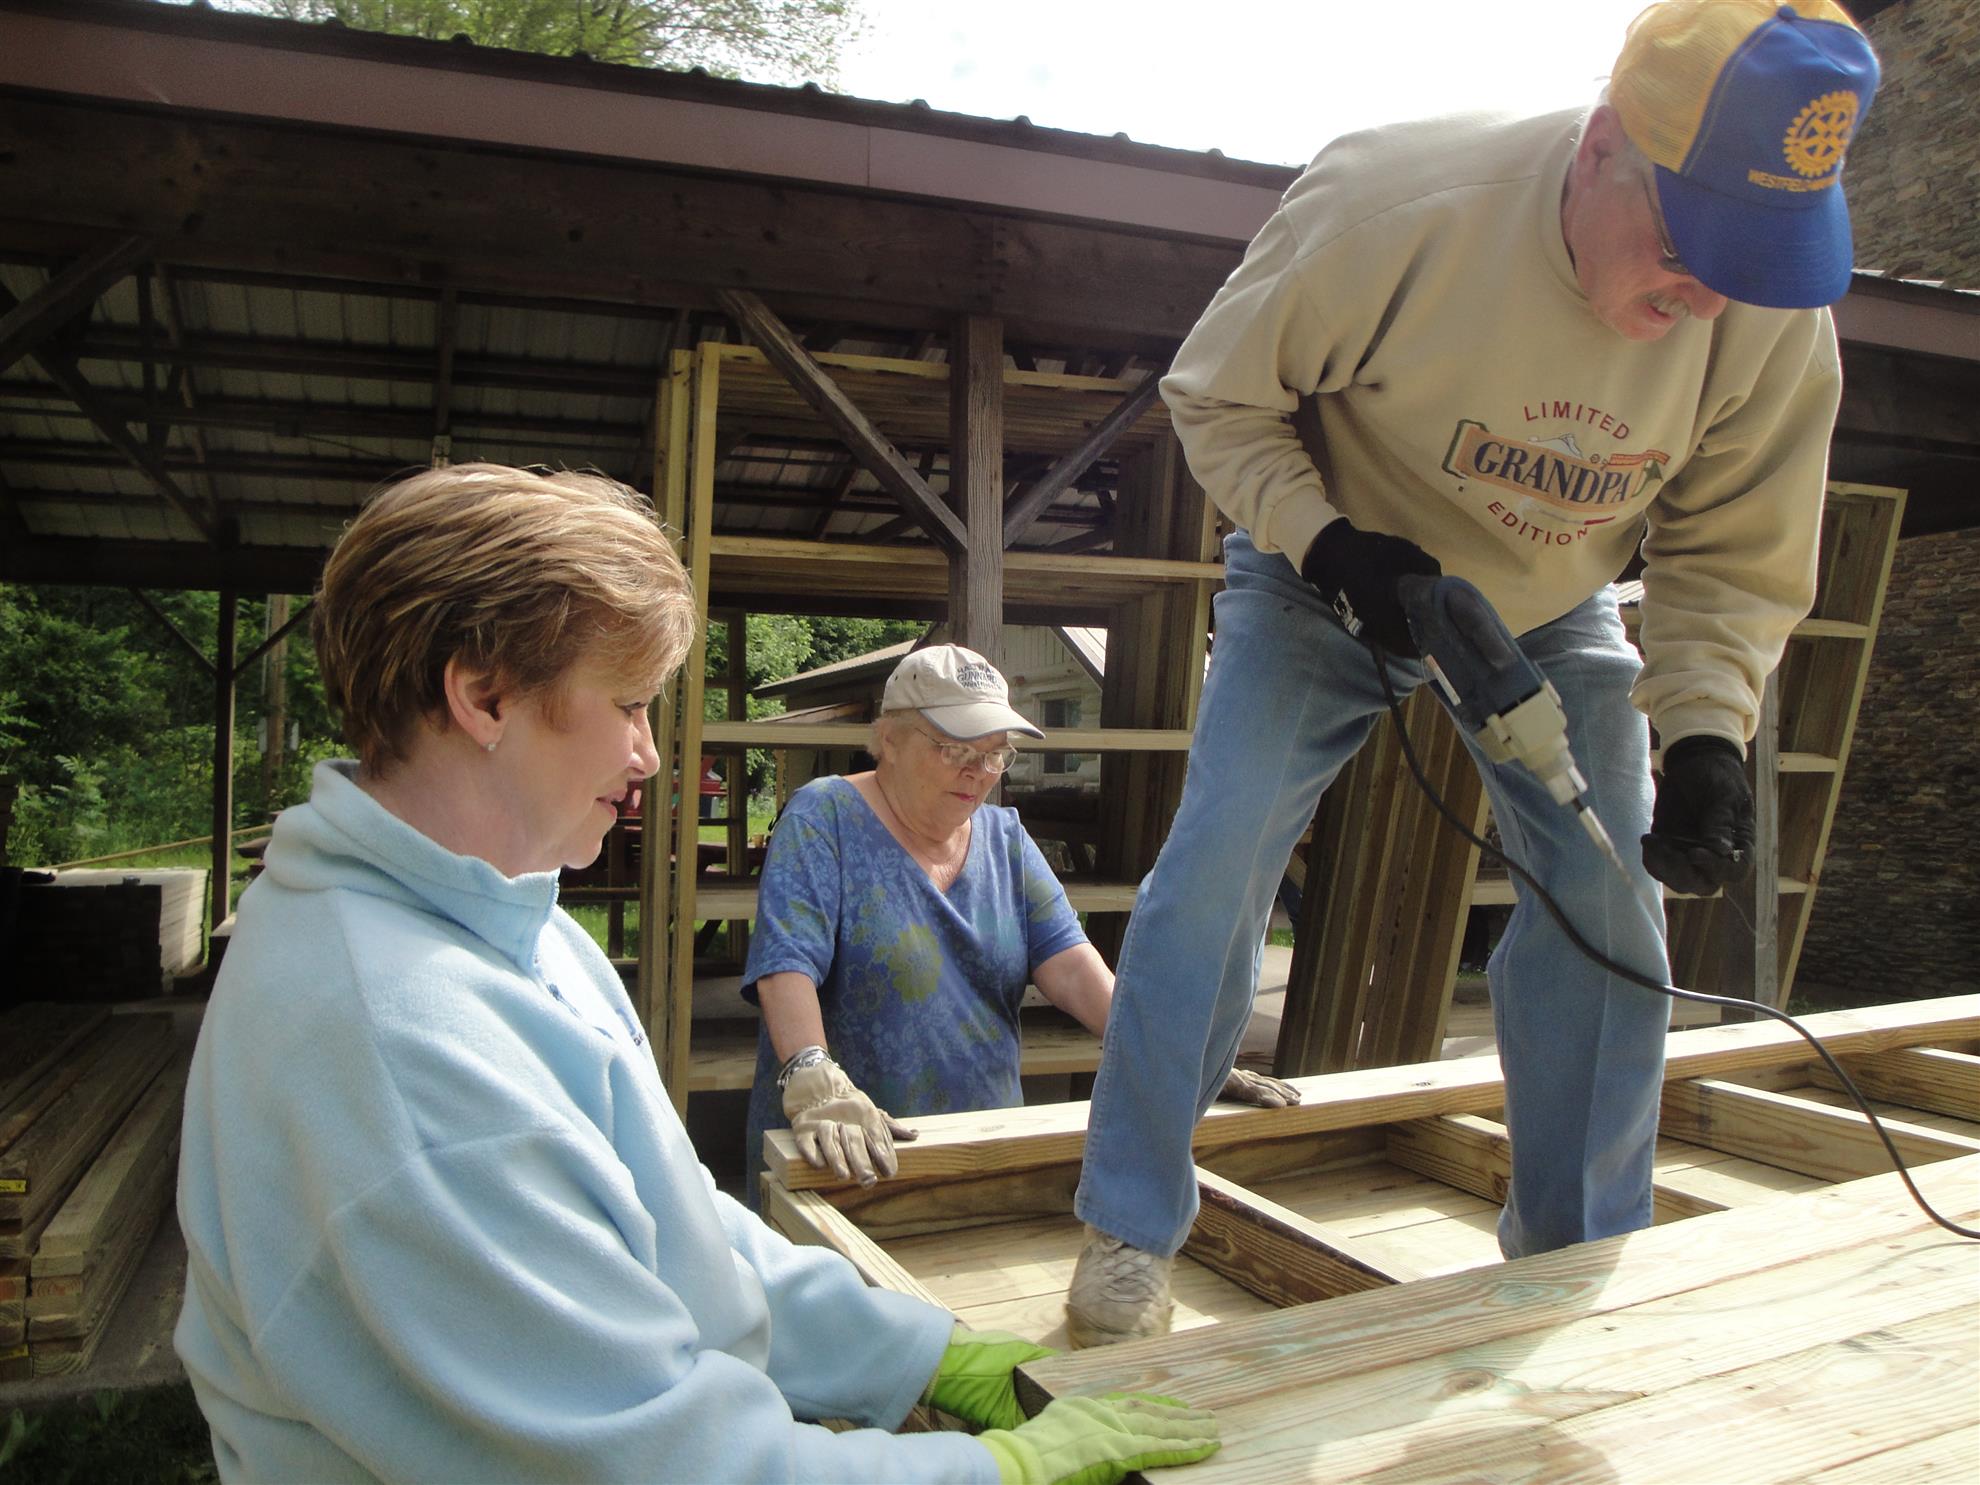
x=155 y=1436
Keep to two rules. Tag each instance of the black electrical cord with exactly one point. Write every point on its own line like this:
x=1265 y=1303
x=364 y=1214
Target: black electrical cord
x=1623 y=971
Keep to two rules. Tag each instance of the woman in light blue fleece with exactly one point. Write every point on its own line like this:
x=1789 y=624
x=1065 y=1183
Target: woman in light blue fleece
x=442 y=1221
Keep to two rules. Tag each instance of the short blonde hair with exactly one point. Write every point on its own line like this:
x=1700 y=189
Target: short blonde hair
x=518 y=573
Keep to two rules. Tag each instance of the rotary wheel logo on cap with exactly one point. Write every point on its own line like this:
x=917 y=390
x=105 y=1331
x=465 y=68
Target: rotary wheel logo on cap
x=1819 y=134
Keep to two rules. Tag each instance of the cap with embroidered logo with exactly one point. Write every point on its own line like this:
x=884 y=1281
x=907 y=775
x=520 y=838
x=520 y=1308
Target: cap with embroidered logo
x=1746 y=108
x=956 y=689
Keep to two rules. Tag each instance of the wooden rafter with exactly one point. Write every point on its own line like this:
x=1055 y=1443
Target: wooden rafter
x=29 y=323
x=1031 y=502
x=281 y=633
x=868 y=444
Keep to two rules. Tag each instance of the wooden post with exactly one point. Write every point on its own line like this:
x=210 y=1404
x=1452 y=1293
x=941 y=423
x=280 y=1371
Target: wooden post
x=1753 y=942
x=735 y=797
x=651 y=995
x=223 y=757
x=274 y=698
x=976 y=484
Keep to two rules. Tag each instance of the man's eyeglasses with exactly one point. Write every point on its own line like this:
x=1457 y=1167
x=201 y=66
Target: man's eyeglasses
x=1667 y=253
x=961 y=755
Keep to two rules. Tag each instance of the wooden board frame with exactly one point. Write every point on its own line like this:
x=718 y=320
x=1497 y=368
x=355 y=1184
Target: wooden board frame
x=1286 y=1318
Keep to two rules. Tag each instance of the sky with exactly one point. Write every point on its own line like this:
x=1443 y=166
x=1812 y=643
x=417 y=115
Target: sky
x=1267 y=80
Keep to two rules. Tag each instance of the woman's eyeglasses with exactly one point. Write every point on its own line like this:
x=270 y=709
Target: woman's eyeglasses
x=961 y=755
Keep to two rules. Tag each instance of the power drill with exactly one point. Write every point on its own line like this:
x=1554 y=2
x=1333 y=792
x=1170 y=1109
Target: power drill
x=1498 y=695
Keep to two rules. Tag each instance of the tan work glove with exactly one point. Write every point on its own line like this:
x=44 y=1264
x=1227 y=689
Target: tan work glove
x=838 y=1128
x=1256 y=1088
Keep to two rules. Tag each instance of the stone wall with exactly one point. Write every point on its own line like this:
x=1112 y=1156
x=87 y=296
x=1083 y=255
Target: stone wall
x=1914 y=170
x=1898 y=913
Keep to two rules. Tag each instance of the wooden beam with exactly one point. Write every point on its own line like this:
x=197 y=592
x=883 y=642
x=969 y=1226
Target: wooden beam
x=219 y=193
x=1794 y=1134
x=223 y=760
x=1030 y=503
x=1275 y=1252
x=152 y=607
x=840 y=490
x=281 y=633
x=868 y=444
x=1928 y=1078
x=1049 y=1134
x=1753 y=969
x=28 y=323
x=65 y=374
x=976 y=484
x=178 y=566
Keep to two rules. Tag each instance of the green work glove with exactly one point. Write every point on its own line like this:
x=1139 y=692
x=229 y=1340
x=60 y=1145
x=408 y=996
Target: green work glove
x=973 y=1380
x=1100 y=1440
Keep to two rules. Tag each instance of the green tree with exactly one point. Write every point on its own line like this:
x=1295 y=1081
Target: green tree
x=106 y=722
x=789 y=41
x=781 y=645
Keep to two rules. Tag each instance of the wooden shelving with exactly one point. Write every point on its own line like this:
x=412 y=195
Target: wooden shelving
x=1151 y=591
x=771 y=733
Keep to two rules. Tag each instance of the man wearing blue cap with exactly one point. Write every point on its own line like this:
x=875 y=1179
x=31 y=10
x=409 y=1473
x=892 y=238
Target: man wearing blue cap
x=1531 y=346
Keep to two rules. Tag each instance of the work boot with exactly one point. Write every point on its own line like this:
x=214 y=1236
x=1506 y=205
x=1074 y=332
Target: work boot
x=1119 y=1293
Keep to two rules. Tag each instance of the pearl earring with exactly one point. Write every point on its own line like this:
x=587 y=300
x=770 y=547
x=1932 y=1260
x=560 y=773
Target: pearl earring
x=491 y=747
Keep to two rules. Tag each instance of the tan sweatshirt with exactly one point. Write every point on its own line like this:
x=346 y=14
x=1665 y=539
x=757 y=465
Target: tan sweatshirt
x=1415 y=280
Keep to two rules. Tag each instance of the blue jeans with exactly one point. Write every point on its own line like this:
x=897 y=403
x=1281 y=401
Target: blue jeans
x=1289 y=698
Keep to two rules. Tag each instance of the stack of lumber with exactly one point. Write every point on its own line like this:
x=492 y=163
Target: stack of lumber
x=108 y=935
x=89 y=1125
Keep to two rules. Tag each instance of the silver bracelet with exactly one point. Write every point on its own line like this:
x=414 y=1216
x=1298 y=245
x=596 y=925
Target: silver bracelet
x=802 y=1058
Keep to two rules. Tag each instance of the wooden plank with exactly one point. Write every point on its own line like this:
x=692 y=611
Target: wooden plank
x=56 y=1065
x=1614 y=1387
x=1372 y=1196
x=806 y=1217
x=672 y=1043
x=1780 y=1129
x=1922 y=1077
x=869 y=445
x=767 y=732
x=1005 y=1139
x=1952 y=1456
x=1469 y=1363
x=976 y=484
x=725 y=1057
x=66 y=1354
x=35 y=1037
x=49 y=1156
x=71 y=1305
x=893 y=1209
x=1877 y=546
x=1277 y=1254
x=652 y=1000
x=1752 y=950
x=101 y=1203
x=720 y=901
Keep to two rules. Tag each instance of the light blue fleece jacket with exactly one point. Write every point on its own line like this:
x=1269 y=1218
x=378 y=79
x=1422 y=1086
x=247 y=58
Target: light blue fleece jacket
x=443 y=1223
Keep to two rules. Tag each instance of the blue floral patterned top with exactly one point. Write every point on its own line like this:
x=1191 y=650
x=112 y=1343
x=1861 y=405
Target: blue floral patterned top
x=919 y=988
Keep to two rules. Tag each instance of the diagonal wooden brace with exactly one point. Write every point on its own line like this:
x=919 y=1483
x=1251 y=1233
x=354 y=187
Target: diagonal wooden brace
x=876 y=454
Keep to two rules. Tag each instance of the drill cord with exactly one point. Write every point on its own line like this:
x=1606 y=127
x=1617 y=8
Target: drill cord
x=1623 y=971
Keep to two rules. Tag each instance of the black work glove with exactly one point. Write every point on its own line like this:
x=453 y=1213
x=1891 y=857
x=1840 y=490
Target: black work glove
x=1356 y=573
x=1701 y=831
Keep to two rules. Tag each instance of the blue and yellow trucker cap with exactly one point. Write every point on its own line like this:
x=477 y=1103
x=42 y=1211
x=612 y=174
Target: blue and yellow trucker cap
x=1746 y=108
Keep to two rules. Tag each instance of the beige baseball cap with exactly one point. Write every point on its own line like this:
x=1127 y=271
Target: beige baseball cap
x=956 y=689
